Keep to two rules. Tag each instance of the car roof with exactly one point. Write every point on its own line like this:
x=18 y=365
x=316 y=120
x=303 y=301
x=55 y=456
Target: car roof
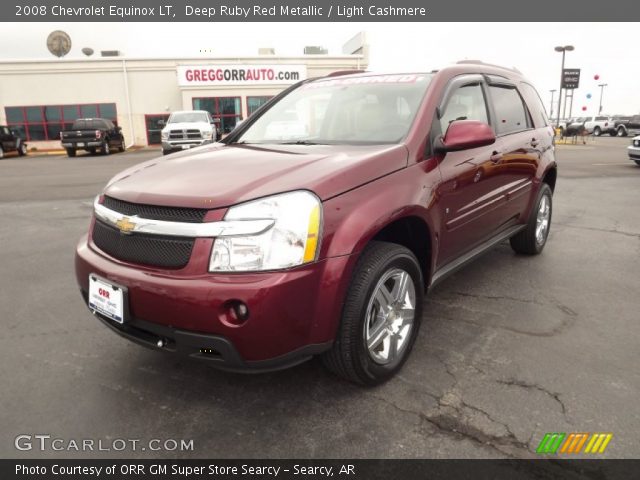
x=460 y=68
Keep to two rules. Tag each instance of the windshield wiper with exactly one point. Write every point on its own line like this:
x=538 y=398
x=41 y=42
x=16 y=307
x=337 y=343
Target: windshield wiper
x=301 y=142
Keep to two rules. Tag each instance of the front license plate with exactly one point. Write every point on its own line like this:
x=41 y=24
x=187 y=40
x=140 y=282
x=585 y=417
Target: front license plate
x=80 y=144
x=186 y=147
x=106 y=299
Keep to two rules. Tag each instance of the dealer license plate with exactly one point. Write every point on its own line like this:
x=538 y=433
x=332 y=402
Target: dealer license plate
x=106 y=299
x=81 y=144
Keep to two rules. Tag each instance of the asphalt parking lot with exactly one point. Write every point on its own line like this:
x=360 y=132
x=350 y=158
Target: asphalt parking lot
x=510 y=348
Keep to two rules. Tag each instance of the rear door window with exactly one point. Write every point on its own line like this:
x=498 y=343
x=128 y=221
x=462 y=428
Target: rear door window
x=511 y=115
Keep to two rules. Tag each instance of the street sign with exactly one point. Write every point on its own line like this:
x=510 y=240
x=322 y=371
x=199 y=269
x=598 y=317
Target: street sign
x=570 y=78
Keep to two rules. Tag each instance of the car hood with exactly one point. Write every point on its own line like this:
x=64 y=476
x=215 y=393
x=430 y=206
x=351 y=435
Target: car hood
x=220 y=175
x=187 y=125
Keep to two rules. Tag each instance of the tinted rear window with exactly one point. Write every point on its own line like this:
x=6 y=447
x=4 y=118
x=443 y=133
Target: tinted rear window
x=510 y=112
x=88 y=125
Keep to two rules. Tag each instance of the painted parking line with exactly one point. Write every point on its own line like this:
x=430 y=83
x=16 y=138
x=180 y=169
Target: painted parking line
x=614 y=163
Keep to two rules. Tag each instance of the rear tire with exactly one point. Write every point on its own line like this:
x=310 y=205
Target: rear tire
x=22 y=149
x=597 y=132
x=1 y=153
x=166 y=152
x=637 y=162
x=92 y=151
x=71 y=152
x=380 y=317
x=122 y=148
x=622 y=132
x=533 y=238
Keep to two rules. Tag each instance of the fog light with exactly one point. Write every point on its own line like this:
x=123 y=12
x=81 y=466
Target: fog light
x=233 y=313
x=242 y=311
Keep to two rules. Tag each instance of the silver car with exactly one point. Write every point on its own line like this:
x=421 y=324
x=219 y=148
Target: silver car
x=634 y=150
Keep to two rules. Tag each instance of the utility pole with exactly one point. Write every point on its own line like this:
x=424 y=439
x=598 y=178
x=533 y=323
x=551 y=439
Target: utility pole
x=566 y=48
x=601 y=85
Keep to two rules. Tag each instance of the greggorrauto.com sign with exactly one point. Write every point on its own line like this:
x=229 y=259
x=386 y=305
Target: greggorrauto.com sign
x=199 y=75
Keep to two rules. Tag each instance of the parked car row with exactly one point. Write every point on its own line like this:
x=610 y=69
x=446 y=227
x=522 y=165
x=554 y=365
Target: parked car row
x=616 y=126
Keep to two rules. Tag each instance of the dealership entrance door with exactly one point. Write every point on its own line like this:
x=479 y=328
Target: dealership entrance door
x=154 y=125
x=227 y=109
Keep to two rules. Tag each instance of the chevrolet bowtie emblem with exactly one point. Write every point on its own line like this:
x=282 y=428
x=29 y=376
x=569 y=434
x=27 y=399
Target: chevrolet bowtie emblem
x=125 y=225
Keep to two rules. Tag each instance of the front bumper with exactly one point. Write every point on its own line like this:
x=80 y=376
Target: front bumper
x=293 y=314
x=634 y=153
x=183 y=144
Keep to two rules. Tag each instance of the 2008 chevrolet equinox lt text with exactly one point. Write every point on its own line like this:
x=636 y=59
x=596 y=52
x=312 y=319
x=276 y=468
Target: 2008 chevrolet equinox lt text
x=318 y=225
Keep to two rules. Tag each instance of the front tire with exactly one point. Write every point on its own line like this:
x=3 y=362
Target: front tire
x=637 y=162
x=381 y=315
x=71 y=152
x=106 y=150
x=533 y=238
x=622 y=132
x=22 y=149
x=1 y=152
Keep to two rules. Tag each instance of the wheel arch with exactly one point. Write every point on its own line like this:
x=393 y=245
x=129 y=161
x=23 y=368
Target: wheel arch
x=550 y=176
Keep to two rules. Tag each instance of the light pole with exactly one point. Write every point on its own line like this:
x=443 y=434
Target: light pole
x=601 y=85
x=551 y=109
x=566 y=48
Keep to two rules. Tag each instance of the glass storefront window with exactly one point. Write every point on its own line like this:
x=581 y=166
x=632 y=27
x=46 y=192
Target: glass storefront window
x=254 y=103
x=34 y=114
x=227 y=109
x=89 y=111
x=52 y=114
x=14 y=114
x=44 y=122
x=36 y=132
x=70 y=112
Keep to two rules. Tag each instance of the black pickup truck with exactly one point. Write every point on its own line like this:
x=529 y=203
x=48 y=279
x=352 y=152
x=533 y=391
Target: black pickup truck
x=91 y=134
x=627 y=126
x=11 y=142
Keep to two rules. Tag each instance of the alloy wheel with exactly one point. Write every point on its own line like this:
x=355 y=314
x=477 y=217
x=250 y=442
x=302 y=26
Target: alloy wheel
x=389 y=317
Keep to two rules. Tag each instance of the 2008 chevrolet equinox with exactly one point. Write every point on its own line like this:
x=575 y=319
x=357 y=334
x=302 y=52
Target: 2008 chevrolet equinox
x=318 y=225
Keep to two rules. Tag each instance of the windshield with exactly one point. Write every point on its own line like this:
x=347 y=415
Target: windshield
x=355 y=110
x=188 y=117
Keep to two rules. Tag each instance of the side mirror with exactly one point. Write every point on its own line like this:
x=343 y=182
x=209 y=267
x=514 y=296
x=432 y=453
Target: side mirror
x=464 y=135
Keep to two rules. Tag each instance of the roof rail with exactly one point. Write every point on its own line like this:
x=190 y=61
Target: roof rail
x=339 y=73
x=480 y=62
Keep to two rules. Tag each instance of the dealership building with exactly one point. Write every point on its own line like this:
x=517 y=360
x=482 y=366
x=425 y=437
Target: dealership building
x=39 y=98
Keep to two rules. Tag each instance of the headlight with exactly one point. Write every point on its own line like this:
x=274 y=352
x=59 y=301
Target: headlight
x=292 y=240
x=207 y=134
x=164 y=135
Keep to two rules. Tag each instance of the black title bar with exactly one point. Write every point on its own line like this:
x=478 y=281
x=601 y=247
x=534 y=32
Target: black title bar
x=316 y=469
x=310 y=11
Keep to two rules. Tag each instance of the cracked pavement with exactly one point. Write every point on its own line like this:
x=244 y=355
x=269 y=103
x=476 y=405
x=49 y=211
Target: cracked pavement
x=510 y=347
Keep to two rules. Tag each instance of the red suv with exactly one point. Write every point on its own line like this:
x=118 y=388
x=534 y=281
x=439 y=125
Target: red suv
x=317 y=226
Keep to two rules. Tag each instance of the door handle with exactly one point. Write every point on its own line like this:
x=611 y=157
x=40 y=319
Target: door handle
x=534 y=143
x=496 y=157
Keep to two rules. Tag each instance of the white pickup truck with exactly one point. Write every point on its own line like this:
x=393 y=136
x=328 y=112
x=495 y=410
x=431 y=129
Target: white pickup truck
x=188 y=129
x=597 y=125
